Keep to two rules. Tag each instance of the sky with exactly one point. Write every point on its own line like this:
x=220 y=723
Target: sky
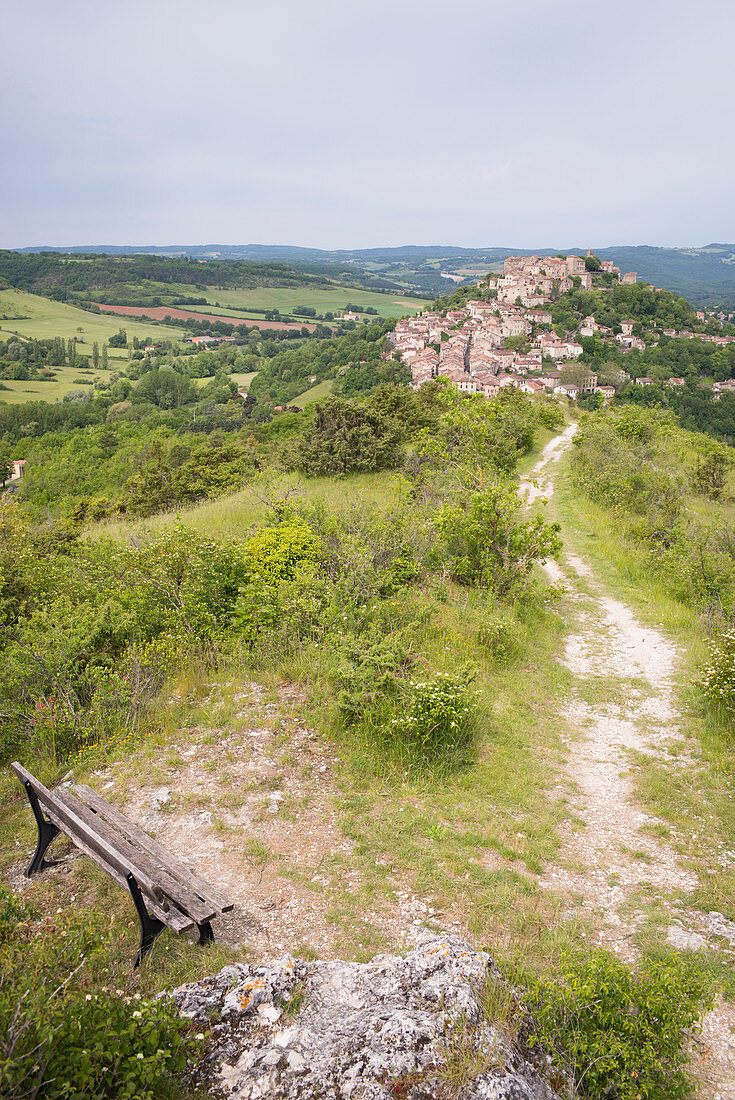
x=347 y=124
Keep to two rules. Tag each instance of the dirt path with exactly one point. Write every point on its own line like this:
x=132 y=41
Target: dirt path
x=614 y=856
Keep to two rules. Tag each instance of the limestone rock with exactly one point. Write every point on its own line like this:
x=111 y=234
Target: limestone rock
x=369 y=1031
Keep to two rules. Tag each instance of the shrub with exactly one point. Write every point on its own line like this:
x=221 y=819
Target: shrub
x=500 y=640
x=439 y=722
x=369 y=675
x=344 y=438
x=622 y=1033
x=278 y=559
x=488 y=545
x=63 y=1036
x=718 y=677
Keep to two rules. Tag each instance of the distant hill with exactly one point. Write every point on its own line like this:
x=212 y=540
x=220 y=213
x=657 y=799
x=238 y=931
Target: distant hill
x=705 y=276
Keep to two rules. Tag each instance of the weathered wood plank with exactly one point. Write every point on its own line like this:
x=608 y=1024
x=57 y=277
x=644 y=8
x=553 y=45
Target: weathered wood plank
x=166 y=890
x=139 y=837
x=88 y=834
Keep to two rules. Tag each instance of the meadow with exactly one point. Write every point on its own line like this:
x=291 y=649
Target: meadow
x=67 y=379
x=30 y=315
x=321 y=299
x=314 y=393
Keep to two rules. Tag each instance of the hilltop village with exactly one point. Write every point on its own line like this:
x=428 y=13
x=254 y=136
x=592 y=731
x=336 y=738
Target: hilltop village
x=505 y=338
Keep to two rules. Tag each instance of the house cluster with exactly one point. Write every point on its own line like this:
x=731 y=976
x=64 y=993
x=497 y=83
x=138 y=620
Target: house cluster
x=685 y=334
x=468 y=344
x=208 y=341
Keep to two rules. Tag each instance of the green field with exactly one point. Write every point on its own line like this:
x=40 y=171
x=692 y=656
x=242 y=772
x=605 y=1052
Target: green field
x=242 y=381
x=30 y=315
x=323 y=300
x=67 y=379
x=315 y=393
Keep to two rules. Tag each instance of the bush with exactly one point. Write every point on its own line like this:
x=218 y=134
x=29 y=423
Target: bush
x=63 y=1036
x=345 y=438
x=718 y=677
x=439 y=722
x=622 y=1034
x=500 y=640
x=488 y=545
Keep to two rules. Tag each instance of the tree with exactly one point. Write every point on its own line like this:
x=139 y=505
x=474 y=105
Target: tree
x=119 y=339
x=95 y=355
x=592 y=263
x=713 y=462
x=344 y=438
x=489 y=545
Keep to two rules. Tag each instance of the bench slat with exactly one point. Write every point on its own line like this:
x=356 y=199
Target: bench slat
x=87 y=835
x=166 y=890
x=137 y=836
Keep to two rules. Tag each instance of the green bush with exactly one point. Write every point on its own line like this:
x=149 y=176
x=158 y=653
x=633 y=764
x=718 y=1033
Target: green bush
x=718 y=677
x=439 y=720
x=64 y=1036
x=369 y=676
x=487 y=543
x=500 y=640
x=342 y=437
x=622 y=1034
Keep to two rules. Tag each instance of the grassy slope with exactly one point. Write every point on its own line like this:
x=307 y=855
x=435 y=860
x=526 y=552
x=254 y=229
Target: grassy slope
x=322 y=299
x=314 y=393
x=30 y=315
x=66 y=380
x=471 y=842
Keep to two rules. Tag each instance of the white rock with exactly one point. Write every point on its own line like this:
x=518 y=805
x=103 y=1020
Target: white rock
x=685 y=941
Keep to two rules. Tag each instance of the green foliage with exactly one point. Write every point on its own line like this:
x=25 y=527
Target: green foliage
x=344 y=438
x=65 y=1037
x=713 y=463
x=487 y=543
x=622 y=1034
x=499 y=638
x=439 y=720
x=372 y=668
x=280 y=563
x=718 y=677
x=618 y=461
x=92 y=630
x=352 y=358
x=478 y=438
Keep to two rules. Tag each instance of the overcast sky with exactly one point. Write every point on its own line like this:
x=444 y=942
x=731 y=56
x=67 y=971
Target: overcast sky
x=345 y=124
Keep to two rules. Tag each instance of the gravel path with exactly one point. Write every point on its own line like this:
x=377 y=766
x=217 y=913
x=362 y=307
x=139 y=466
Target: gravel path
x=622 y=701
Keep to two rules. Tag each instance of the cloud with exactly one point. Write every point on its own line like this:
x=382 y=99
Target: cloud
x=353 y=123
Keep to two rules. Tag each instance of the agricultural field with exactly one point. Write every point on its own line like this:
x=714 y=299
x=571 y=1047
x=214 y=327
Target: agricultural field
x=29 y=315
x=242 y=381
x=321 y=299
x=67 y=379
x=159 y=313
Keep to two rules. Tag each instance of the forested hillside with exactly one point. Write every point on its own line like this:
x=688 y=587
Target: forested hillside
x=705 y=275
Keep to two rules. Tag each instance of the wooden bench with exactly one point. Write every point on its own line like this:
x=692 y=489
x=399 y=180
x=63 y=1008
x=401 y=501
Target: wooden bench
x=166 y=894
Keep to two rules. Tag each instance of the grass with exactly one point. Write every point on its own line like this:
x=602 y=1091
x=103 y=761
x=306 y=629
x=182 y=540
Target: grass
x=322 y=299
x=31 y=315
x=67 y=379
x=235 y=516
x=315 y=393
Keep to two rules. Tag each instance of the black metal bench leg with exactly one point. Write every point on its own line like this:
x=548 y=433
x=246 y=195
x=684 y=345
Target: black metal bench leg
x=47 y=832
x=150 y=927
x=206 y=935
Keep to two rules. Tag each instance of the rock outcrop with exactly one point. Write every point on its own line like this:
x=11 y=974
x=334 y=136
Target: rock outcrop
x=435 y=1023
